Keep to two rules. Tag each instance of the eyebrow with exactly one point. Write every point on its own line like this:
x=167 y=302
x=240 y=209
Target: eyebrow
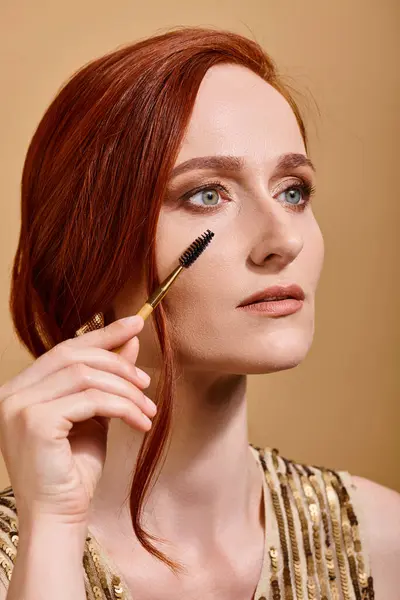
x=237 y=163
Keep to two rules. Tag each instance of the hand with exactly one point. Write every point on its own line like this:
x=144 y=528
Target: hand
x=54 y=419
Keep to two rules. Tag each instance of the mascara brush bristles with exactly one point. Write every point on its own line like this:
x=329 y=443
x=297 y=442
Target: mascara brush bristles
x=186 y=260
x=195 y=249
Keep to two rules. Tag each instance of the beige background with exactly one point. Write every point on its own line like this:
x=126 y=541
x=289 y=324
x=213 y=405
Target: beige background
x=340 y=407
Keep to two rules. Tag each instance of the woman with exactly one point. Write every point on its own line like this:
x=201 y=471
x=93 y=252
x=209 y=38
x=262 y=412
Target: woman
x=140 y=152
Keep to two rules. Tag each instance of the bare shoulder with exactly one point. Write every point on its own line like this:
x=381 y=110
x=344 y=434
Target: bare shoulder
x=380 y=506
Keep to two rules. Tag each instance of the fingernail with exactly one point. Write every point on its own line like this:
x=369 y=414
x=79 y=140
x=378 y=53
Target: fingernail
x=144 y=377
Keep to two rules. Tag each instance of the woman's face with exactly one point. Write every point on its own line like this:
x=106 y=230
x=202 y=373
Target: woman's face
x=265 y=231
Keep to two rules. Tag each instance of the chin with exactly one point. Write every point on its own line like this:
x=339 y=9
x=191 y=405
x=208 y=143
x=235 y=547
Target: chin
x=275 y=352
x=259 y=351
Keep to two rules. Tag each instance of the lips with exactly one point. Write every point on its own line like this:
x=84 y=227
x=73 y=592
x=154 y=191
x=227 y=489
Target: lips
x=275 y=293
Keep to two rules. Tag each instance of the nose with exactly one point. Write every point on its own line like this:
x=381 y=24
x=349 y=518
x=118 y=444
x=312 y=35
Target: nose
x=281 y=239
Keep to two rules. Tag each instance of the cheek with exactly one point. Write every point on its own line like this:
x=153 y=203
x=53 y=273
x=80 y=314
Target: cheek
x=192 y=295
x=190 y=305
x=314 y=252
x=193 y=306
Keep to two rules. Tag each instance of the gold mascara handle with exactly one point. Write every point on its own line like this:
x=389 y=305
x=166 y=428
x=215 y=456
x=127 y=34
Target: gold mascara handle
x=156 y=297
x=145 y=311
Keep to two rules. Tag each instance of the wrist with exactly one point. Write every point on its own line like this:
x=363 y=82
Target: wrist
x=52 y=532
x=49 y=562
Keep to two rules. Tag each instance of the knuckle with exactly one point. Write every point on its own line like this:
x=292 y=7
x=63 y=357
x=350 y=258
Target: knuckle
x=28 y=419
x=8 y=407
x=81 y=373
x=63 y=351
x=91 y=394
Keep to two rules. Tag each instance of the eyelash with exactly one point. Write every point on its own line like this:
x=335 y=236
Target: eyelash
x=306 y=188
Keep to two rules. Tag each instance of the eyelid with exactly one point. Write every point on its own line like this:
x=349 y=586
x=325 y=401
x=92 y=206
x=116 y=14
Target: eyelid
x=207 y=185
x=291 y=182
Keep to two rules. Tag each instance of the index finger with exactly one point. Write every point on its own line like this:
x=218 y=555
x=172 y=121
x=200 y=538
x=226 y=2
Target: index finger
x=113 y=335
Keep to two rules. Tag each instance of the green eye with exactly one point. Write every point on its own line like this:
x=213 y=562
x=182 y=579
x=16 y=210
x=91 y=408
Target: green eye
x=208 y=197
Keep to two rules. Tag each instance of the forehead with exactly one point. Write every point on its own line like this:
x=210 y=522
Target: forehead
x=236 y=112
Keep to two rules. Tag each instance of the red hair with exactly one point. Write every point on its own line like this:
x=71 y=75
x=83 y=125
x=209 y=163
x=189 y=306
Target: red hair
x=93 y=183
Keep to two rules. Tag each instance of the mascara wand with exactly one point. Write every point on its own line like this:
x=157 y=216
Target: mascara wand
x=185 y=261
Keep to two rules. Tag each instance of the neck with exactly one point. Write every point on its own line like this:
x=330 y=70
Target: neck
x=209 y=480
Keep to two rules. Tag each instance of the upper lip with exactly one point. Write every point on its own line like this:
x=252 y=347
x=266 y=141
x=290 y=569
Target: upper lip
x=279 y=291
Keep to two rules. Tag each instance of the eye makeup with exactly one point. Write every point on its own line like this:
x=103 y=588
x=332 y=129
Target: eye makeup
x=303 y=185
x=299 y=184
x=214 y=185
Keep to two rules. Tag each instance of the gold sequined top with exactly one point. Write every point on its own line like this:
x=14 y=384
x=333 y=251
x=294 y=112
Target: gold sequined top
x=314 y=544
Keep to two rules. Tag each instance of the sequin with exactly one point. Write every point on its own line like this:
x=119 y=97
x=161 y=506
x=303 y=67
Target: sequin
x=292 y=537
x=274 y=581
x=337 y=536
x=352 y=539
x=310 y=557
x=276 y=501
x=315 y=550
